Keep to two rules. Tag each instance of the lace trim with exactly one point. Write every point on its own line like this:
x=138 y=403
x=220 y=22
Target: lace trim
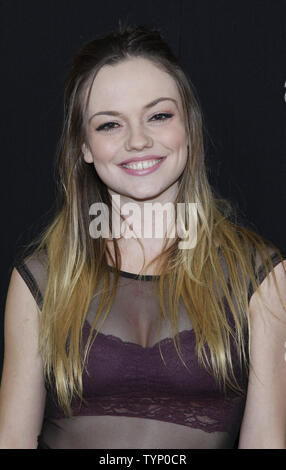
x=208 y=415
x=123 y=343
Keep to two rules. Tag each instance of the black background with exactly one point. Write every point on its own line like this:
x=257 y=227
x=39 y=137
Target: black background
x=234 y=52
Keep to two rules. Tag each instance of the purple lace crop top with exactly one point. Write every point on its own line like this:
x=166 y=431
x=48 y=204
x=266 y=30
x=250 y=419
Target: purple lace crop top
x=135 y=396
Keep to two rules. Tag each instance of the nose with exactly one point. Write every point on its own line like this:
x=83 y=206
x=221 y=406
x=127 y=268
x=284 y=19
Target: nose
x=138 y=138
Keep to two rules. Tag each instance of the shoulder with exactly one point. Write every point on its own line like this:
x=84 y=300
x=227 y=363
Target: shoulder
x=267 y=306
x=33 y=269
x=267 y=302
x=264 y=257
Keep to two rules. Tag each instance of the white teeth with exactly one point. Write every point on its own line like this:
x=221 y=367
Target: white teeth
x=142 y=165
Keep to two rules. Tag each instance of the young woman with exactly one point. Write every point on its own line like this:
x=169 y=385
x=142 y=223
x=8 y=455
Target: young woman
x=114 y=341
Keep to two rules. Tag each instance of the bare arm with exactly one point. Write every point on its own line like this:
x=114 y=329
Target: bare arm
x=264 y=421
x=22 y=392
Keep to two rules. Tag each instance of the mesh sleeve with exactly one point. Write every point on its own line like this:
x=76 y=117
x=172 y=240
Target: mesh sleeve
x=260 y=270
x=33 y=270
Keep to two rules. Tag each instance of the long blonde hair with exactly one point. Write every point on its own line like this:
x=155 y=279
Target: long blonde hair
x=77 y=262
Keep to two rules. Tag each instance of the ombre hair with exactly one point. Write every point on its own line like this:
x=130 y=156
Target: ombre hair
x=77 y=262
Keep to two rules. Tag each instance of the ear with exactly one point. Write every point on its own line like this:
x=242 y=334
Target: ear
x=86 y=154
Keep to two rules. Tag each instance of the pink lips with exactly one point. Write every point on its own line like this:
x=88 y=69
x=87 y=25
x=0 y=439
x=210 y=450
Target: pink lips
x=141 y=159
x=144 y=171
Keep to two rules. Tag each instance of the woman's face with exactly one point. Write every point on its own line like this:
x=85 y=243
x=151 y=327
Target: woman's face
x=124 y=124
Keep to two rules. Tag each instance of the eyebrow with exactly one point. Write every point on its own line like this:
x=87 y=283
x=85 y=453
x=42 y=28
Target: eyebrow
x=149 y=105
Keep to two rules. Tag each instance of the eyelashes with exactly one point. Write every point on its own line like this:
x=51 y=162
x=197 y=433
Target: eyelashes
x=107 y=126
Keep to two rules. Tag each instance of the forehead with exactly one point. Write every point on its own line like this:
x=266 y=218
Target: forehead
x=132 y=84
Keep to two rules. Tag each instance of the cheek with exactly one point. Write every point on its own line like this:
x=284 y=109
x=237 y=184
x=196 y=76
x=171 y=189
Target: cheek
x=176 y=138
x=102 y=150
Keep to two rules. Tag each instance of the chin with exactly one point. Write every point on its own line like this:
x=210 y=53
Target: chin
x=145 y=195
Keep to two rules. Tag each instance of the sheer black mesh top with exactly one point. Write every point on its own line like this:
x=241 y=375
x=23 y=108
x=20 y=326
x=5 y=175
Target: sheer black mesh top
x=136 y=396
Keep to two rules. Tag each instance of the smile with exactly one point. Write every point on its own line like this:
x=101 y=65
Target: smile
x=144 y=167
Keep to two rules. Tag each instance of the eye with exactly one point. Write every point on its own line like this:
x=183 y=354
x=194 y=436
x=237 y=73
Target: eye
x=106 y=129
x=166 y=116
x=109 y=126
